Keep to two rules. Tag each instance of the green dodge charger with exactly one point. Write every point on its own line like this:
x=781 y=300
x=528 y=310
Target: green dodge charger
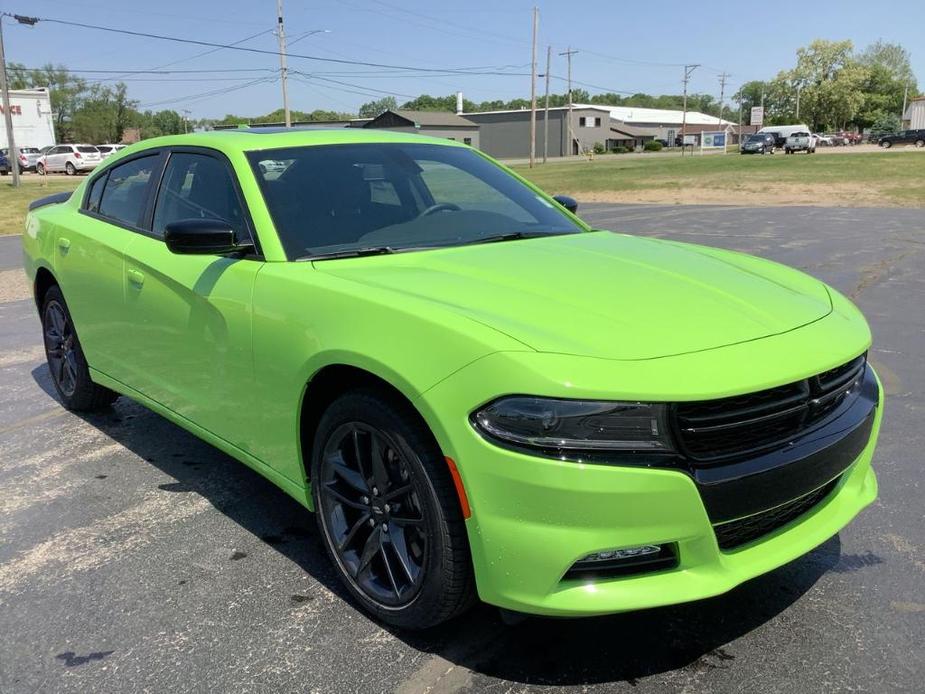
x=476 y=394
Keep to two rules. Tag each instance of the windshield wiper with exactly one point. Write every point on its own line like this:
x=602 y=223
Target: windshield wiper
x=350 y=253
x=511 y=236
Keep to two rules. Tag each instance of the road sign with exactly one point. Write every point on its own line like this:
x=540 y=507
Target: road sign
x=712 y=140
x=757 y=117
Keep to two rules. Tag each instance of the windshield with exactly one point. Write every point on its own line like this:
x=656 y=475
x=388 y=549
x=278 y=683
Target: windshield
x=332 y=199
x=756 y=138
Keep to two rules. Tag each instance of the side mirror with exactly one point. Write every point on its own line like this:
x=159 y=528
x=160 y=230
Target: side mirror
x=569 y=203
x=202 y=237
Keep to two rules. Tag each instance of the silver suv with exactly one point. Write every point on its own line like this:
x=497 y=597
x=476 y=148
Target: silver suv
x=69 y=158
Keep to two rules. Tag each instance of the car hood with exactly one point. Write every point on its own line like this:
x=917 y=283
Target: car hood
x=602 y=294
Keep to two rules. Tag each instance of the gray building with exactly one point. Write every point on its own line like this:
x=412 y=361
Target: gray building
x=506 y=134
x=914 y=117
x=432 y=123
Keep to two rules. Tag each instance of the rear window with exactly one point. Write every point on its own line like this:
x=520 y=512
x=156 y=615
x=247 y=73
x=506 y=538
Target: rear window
x=87 y=150
x=104 y=148
x=29 y=150
x=123 y=198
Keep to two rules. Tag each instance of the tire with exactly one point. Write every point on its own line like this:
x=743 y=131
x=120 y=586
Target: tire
x=426 y=577
x=886 y=144
x=920 y=143
x=40 y=169
x=5 y=172
x=70 y=169
x=788 y=151
x=66 y=361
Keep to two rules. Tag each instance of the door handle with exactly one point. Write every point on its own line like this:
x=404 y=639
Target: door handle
x=136 y=277
x=64 y=244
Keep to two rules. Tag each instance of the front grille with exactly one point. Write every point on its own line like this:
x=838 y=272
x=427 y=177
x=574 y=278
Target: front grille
x=739 y=532
x=714 y=430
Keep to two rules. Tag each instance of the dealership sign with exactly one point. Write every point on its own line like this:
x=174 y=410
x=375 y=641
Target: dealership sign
x=15 y=109
x=757 y=115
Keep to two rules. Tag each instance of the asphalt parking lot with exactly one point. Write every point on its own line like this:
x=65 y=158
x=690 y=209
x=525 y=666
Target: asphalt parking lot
x=134 y=557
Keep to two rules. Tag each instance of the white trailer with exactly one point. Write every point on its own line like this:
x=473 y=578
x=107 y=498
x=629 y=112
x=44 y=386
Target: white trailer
x=782 y=132
x=33 y=121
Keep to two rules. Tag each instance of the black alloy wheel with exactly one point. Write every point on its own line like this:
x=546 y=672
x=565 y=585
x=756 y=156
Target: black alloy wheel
x=69 y=371
x=372 y=514
x=388 y=511
x=60 y=348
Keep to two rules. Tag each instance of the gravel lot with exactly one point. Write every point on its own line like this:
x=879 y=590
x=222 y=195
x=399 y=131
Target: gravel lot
x=134 y=557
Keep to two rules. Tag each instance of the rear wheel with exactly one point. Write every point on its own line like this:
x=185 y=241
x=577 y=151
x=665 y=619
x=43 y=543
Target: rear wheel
x=70 y=169
x=388 y=512
x=920 y=143
x=66 y=361
x=886 y=144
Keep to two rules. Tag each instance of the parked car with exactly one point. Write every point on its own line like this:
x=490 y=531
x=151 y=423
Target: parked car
x=824 y=140
x=758 y=143
x=850 y=138
x=71 y=159
x=107 y=150
x=27 y=157
x=476 y=392
x=782 y=132
x=4 y=165
x=800 y=142
x=906 y=137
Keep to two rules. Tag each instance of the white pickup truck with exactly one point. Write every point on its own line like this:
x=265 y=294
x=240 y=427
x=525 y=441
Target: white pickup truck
x=800 y=142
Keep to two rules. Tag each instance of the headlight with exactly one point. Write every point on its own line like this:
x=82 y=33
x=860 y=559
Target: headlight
x=561 y=427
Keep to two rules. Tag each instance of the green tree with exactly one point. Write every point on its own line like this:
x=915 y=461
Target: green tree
x=830 y=81
x=372 y=109
x=889 y=78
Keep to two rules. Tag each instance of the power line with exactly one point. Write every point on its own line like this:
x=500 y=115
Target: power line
x=192 y=98
x=227 y=46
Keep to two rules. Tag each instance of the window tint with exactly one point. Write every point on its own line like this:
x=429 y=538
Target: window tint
x=96 y=192
x=87 y=150
x=197 y=186
x=126 y=189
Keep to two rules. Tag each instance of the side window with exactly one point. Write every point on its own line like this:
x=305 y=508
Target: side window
x=126 y=190
x=197 y=186
x=96 y=193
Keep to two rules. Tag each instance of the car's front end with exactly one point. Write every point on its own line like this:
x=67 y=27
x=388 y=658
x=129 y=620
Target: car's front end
x=753 y=146
x=679 y=419
x=692 y=494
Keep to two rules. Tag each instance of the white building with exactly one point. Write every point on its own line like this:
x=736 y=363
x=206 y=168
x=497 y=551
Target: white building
x=914 y=117
x=33 y=122
x=665 y=122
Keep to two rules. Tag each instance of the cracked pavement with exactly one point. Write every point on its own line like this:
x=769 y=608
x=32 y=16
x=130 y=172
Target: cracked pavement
x=134 y=557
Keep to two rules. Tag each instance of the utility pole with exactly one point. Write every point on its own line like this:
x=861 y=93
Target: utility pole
x=281 y=35
x=546 y=108
x=7 y=113
x=799 y=89
x=186 y=115
x=536 y=20
x=688 y=69
x=722 y=93
x=569 y=53
x=905 y=96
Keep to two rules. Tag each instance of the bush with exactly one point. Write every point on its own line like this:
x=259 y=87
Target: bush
x=599 y=148
x=620 y=150
x=652 y=146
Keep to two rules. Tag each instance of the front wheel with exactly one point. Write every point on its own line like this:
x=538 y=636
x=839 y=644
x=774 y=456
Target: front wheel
x=920 y=143
x=886 y=145
x=70 y=169
x=388 y=511
x=69 y=371
x=40 y=169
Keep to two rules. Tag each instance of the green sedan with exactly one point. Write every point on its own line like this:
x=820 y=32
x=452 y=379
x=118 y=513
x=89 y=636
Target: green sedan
x=476 y=394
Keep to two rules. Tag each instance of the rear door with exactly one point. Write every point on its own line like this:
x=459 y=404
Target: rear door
x=190 y=315
x=54 y=160
x=89 y=258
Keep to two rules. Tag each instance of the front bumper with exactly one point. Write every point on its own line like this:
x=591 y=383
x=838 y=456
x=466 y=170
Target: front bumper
x=533 y=517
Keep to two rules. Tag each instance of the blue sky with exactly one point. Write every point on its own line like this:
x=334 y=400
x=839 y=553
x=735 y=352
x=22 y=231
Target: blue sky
x=623 y=46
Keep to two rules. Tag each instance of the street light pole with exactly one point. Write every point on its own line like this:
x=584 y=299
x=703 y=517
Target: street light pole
x=546 y=107
x=7 y=113
x=536 y=14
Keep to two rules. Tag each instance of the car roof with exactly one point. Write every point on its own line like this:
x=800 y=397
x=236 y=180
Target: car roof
x=250 y=139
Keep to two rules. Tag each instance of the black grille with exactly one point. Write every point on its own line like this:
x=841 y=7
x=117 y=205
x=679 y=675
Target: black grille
x=713 y=430
x=739 y=532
